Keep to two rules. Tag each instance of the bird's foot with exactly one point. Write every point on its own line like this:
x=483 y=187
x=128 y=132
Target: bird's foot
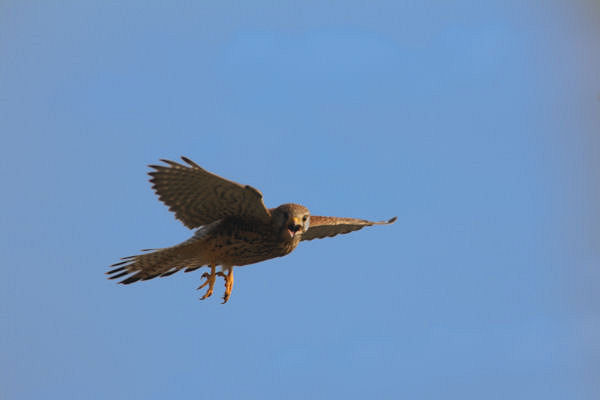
x=228 y=284
x=210 y=281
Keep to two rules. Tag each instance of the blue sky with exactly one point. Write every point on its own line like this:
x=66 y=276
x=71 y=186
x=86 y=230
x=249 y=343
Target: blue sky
x=476 y=123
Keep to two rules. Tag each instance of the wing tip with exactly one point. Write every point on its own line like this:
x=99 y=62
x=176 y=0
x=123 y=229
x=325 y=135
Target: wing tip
x=170 y=164
x=391 y=220
x=190 y=162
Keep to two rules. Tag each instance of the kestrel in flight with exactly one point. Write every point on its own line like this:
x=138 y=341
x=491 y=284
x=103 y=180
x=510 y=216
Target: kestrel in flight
x=234 y=228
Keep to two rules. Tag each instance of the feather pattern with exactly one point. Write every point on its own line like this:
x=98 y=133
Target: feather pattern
x=198 y=197
x=321 y=227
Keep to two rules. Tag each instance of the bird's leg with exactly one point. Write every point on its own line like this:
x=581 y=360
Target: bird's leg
x=210 y=281
x=228 y=284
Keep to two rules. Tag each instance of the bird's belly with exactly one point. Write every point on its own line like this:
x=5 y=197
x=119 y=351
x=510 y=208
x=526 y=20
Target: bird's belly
x=241 y=250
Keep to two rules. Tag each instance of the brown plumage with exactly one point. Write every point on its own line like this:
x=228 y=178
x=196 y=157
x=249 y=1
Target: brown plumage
x=234 y=227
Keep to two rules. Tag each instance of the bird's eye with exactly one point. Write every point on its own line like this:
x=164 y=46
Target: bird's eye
x=304 y=218
x=286 y=216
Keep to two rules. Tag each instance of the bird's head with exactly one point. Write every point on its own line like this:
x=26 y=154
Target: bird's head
x=290 y=220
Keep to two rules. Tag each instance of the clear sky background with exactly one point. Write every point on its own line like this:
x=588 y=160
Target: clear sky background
x=476 y=123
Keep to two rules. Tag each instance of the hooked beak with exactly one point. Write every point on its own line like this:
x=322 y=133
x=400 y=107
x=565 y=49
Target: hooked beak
x=294 y=226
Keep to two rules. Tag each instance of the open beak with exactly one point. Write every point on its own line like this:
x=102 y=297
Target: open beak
x=294 y=226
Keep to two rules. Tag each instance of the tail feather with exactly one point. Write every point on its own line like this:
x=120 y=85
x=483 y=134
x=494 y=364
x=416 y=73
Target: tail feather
x=119 y=275
x=159 y=262
x=112 y=271
x=171 y=272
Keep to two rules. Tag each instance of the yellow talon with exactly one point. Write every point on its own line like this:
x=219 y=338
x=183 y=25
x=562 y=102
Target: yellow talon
x=210 y=281
x=228 y=284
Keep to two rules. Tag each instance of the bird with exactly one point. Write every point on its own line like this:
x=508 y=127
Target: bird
x=233 y=226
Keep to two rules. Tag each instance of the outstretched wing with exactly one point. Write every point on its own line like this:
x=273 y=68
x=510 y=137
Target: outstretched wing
x=321 y=227
x=198 y=197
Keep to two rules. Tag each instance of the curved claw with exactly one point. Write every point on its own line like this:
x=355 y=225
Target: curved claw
x=228 y=284
x=210 y=281
x=204 y=275
x=211 y=277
